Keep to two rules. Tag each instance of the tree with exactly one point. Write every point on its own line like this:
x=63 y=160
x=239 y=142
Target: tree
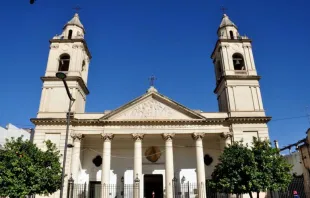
x=242 y=169
x=273 y=170
x=236 y=171
x=27 y=170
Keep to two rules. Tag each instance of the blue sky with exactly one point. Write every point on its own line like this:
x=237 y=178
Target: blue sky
x=131 y=40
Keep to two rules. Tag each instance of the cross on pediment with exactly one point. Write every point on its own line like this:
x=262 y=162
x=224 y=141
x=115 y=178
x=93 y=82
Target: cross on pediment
x=152 y=79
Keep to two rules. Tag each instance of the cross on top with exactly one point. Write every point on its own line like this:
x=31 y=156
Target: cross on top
x=223 y=9
x=152 y=79
x=77 y=8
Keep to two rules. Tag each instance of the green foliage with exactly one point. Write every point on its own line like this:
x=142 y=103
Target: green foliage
x=273 y=169
x=27 y=170
x=244 y=170
x=236 y=171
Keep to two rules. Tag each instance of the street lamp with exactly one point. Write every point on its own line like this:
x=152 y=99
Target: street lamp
x=63 y=76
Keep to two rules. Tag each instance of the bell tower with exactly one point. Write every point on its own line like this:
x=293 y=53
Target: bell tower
x=68 y=54
x=237 y=82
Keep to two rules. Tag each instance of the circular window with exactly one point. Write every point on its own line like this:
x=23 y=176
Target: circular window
x=208 y=159
x=97 y=160
x=152 y=154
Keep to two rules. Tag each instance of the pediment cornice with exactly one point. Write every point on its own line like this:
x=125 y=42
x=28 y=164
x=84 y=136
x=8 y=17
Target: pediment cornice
x=98 y=122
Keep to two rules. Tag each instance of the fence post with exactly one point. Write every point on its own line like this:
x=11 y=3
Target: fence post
x=85 y=185
x=174 y=183
x=137 y=187
x=70 y=187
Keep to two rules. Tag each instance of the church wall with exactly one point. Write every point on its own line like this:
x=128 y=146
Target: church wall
x=246 y=132
x=61 y=102
x=57 y=135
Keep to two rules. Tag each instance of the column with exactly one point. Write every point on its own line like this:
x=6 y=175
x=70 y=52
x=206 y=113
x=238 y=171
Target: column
x=169 y=164
x=75 y=157
x=106 y=163
x=137 y=172
x=226 y=139
x=201 y=176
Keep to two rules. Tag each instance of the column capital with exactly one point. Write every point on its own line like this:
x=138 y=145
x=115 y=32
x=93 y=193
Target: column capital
x=107 y=136
x=137 y=136
x=197 y=136
x=168 y=136
x=77 y=136
x=226 y=135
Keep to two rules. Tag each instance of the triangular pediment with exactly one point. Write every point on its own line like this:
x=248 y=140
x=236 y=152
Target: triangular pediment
x=152 y=106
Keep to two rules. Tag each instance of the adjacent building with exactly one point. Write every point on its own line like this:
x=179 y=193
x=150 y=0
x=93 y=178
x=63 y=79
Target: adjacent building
x=12 y=131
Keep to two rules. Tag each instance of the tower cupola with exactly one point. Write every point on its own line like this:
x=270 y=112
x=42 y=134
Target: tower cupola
x=227 y=29
x=73 y=29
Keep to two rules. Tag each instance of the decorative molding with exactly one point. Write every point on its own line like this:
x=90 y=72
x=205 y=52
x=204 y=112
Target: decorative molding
x=69 y=78
x=234 y=77
x=107 y=136
x=74 y=40
x=168 y=136
x=245 y=45
x=226 y=135
x=77 y=136
x=151 y=124
x=75 y=46
x=137 y=136
x=54 y=46
x=197 y=136
x=224 y=45
x=151 y=109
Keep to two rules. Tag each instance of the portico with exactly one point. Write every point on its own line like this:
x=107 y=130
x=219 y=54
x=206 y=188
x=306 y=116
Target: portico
x=173 y=149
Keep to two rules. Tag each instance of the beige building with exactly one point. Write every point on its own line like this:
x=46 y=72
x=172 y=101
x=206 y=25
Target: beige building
x=151 y=138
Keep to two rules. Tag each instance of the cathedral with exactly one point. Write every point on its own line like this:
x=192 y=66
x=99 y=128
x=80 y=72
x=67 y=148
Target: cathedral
x=151 y=142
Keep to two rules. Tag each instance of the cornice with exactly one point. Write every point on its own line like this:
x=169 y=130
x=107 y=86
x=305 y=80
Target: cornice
x=98 y=122
x=229 y=41
x=73 y=41
x=242 y=120
x=69 y=78
x=235 y=77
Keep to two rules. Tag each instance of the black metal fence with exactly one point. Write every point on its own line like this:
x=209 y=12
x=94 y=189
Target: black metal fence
x=192 y=190
x=95 y=190
x=297 y=186
x=180 y=190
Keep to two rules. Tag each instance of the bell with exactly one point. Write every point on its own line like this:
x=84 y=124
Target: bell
x=237 y=62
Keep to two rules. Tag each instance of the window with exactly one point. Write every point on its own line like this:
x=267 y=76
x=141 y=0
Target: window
x=70 y=34
x=64 y=62
x=231 y=34
x=83 y=65
x=218 y=70
x=238 y=62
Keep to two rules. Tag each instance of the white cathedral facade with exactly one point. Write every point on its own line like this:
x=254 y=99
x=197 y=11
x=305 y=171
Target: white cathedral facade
x=152 y=138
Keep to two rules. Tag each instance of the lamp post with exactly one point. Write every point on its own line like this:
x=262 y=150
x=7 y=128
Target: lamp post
x=63 y=76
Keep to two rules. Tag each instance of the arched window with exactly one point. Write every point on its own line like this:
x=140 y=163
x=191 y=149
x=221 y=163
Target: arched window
x=231 y=34
x=64 y=62
x=83 y=65
x=70 y=34
x=238 y=62
x=219 y=69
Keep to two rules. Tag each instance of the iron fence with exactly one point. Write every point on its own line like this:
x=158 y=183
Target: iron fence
x=296 y=185
x=96 y=190
x=192 y=190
